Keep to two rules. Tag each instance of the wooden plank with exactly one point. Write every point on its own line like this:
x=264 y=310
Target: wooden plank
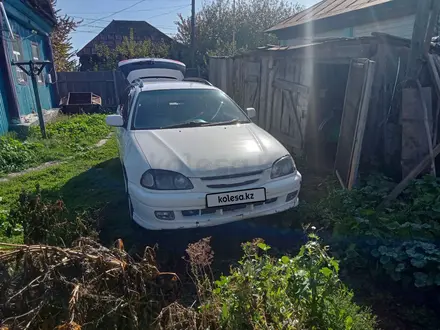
x=357 y=99
x=361 y=123
x=261 y=115
x=414 y=142
x=434 y=73
x=410 y=176
x=418 y=39
x=270 y=94
x=290 y=86
x=433 y=21
x=427 y=126
x=288 y=109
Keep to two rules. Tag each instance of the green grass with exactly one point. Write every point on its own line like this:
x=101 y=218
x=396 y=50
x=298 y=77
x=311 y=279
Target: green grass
x=67 y=137
x=91 y=181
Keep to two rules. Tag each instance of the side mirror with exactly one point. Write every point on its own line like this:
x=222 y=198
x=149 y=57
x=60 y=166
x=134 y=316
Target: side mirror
x=251 y=112
x=114 y=120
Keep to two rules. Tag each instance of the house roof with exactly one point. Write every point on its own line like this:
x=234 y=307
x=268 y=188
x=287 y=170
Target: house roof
x=324 y=9
x=113 y=34
x=44 y=8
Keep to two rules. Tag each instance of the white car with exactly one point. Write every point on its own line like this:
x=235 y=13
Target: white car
x=192 y=158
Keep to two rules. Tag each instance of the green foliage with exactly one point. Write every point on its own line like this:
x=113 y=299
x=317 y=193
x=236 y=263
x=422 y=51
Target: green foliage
x=48 y=222
x=303 y=292
x=74 y=133
x=399 y=241
x=64 y=56
x=16 y=155
x=129 y=48
x=215 y=26
x=67 y=137
x=88 y=181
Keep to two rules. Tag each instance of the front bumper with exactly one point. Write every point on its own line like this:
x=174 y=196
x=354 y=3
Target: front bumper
x=190 y=208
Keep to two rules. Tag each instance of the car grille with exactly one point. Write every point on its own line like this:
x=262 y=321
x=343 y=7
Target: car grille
x=230 y=208
x=233 y=180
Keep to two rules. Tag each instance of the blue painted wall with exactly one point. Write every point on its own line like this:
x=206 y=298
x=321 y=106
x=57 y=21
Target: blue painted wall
x=25 y=91
x=4 y=118
x=28 y=28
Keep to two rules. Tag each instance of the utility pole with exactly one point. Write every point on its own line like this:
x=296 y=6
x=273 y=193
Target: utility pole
x=193 y=33
x=233 y=27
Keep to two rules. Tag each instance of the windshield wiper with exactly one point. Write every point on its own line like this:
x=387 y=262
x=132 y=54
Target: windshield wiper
x=229 y=122
x=186 y=124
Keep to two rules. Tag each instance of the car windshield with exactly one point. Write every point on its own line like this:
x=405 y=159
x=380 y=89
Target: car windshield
x=173 y=108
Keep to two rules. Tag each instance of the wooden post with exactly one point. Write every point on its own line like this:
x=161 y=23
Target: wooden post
x=193 y=33
x=433 y=21
x=115 y=86
x=418 y=39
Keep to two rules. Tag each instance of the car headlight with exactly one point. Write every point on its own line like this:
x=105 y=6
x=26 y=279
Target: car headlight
x=165 y=180
x=282 y=167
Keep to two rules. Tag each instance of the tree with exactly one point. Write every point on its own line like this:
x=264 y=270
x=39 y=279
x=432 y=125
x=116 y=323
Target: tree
x=215 y=25
x=129 y=48
x=64 y=56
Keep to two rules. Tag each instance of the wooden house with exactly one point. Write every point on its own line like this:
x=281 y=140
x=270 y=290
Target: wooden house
x=25 y=34
x=114 y=33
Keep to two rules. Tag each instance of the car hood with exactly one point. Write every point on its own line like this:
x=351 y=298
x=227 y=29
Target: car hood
x=210 y=151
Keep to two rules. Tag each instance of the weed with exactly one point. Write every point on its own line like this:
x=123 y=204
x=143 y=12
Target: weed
x=263 y=292
x=47 y=222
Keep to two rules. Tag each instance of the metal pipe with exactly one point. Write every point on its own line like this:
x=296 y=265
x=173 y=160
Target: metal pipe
x=5 y=62
x=6 y=19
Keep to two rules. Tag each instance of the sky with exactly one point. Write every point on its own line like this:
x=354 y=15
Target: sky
x=97 y=14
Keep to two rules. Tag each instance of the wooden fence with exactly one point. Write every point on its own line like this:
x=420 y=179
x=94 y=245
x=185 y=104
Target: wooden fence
x=277 y=88
x=107 y=84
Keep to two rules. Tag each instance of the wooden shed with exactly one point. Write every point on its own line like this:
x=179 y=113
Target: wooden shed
x=336 y=101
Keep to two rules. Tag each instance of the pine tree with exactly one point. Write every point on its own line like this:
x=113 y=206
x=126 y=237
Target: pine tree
x=64 y=56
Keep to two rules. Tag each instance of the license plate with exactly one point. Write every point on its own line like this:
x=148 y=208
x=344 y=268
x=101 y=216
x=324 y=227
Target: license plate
x=236 y=197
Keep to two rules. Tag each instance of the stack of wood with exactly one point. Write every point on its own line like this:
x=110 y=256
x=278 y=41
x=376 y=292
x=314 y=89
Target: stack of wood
x=416 y=99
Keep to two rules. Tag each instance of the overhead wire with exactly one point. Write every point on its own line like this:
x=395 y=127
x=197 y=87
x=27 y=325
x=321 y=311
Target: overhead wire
x=117 y=12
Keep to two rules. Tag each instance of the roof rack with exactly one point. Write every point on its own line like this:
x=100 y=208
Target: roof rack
x=199 y=80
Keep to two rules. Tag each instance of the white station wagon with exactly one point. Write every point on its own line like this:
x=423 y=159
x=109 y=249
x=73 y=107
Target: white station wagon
x=192 y=157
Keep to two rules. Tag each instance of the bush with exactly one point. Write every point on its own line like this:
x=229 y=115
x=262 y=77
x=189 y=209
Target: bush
x=288 y=293
x=47 y=222
x=399 y=241
x=264 y=292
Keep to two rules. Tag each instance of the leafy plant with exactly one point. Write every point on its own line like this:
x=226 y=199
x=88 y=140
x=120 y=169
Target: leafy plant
x=400 y=240
x=264 y=292
x=16 y=155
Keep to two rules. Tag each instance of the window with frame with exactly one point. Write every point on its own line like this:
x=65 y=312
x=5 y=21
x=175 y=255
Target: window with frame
x=17 y=52
x=36 y=57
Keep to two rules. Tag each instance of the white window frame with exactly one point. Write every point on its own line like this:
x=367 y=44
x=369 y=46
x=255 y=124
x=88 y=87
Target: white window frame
x=37 y=58
x=22 y=77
